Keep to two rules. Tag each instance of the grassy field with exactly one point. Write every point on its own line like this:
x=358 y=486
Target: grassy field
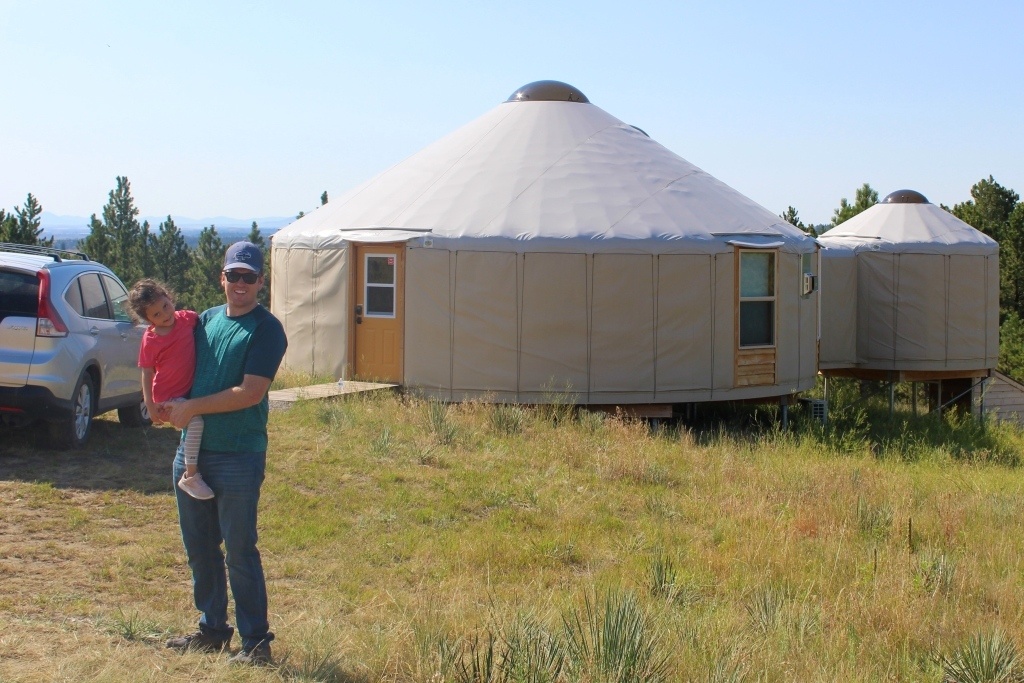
x=406 y=540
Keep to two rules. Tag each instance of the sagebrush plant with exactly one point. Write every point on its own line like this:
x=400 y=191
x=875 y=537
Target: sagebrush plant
x=745 y=551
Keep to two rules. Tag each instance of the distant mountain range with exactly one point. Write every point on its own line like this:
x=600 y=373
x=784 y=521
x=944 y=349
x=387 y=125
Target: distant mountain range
x=70 y=227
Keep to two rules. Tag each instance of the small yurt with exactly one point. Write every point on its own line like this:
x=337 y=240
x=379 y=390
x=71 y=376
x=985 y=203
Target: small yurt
x=909 y=292
x=548 y=248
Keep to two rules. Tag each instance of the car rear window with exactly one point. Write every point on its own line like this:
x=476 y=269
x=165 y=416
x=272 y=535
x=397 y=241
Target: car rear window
x=19 y=294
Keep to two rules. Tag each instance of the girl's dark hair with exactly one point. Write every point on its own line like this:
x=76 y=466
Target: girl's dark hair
x=144 y=294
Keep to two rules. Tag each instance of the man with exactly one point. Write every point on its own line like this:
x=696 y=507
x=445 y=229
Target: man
x=239 y=347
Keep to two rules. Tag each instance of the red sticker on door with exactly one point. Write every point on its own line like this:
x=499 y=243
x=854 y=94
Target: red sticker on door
x=391 y=260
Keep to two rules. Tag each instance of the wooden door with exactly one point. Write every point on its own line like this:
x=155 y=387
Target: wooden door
x=378 y=313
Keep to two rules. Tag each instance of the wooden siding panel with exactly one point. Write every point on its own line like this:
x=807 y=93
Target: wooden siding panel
x=755 y=367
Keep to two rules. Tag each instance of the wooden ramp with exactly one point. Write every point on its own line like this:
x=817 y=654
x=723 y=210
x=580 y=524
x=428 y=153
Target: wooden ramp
x=282 y=399
x=1004 y=397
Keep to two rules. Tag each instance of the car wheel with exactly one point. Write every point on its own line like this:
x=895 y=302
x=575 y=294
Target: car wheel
x=135 y=416
x=73 y=431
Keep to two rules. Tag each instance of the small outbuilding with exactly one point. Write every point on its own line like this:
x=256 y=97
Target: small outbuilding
x=548 y=248
x=909 y=293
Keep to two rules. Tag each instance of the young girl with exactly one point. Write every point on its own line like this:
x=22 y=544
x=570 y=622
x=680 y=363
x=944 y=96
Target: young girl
x=168 y=361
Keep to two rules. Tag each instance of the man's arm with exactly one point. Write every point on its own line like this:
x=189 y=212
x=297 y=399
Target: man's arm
x=248 y=393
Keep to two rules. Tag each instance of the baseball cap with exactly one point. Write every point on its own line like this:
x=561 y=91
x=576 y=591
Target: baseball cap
x=243 y=255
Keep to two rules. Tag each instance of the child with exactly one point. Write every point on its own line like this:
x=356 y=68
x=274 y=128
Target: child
x=168 y=361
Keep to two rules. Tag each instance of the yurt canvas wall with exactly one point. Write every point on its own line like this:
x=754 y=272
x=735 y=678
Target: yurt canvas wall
x=608 y=327
x=919 y=287
x=549 y=248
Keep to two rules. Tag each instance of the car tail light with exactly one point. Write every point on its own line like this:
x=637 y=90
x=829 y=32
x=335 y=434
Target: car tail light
x=48 y=322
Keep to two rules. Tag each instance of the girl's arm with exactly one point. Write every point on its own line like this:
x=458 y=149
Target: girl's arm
x=147 y=394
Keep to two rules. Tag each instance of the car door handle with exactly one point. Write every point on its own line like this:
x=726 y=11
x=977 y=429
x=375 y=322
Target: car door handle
x=94 y=331
x=124 y=336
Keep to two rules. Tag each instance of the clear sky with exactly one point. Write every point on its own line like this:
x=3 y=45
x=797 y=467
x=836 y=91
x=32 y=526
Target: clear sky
x=252 y=109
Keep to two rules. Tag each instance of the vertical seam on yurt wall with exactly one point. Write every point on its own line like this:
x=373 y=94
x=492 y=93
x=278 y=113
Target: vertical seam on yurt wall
x=657 y=308
x=520 y=284
x=988 y=275
x=589 y=286
x=655 y=261
x=713 y=275
x=453 y=281
x=799 y=322
x=312 y=322
x=895 y=309
x=947 y=265
x=283 y=296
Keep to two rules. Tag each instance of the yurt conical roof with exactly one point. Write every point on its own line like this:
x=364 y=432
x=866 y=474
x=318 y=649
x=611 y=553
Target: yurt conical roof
x=906 y=221
x=549 y=169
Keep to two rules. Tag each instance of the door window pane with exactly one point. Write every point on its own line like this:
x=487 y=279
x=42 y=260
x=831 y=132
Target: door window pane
x=757 y=320
x=118 y=298
x=380 y=270
x=94 y=299
x=757 y=274
x=380 y=300
x=74 y=298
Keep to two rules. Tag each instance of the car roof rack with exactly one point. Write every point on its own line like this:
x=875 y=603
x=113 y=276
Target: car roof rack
x=53 y=252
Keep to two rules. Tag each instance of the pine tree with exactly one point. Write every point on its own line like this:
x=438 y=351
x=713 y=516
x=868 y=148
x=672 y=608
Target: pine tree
x=323 y=198
x=204 y=289
x=996 y=211
x=118 y=240
x=120 y=220
x=26 y=227
x=792 y=216
x=146 y=263
x=171 y=257
x=7 y=222
x=97 y=244
x=256 y=238
x=866 y=198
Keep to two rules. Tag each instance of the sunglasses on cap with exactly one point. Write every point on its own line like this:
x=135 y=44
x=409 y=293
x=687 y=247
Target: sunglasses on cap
x=233 y=276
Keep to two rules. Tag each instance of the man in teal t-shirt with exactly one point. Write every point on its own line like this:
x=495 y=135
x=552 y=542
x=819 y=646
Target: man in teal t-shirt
x=239 y=347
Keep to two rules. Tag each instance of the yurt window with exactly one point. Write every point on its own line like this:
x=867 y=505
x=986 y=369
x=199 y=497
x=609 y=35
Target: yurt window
x=757 y=298
x=380 y=285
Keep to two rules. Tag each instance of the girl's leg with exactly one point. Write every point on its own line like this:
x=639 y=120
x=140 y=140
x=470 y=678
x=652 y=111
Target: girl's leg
x=193 y=438
x=192 y=481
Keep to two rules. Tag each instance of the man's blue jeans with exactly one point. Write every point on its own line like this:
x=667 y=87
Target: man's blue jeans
x=229 y=517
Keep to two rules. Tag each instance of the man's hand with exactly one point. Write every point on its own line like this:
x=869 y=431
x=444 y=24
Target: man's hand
x=178 y=413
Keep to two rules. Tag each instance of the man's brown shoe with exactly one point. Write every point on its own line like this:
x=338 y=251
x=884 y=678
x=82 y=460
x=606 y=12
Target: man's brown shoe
x=199 y=642
x=257 y=655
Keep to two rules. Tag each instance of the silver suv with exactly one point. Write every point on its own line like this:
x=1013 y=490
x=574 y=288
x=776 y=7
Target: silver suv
x=68 y=349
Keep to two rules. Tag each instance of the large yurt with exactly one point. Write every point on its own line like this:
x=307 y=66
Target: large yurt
x=544 y=249
x=909 y=292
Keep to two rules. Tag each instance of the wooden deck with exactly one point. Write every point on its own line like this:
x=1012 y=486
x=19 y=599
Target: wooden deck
x=282 y=399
